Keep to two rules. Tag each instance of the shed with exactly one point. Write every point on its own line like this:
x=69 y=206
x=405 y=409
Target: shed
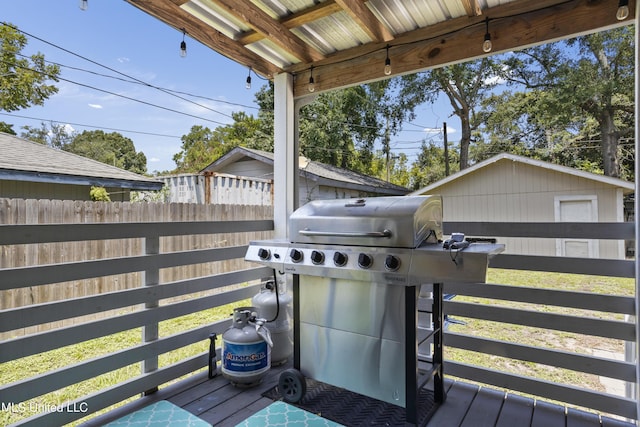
x=512 y=188
x=316 y=180
x=29 y=170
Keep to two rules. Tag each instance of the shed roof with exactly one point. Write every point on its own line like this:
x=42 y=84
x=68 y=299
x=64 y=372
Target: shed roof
x=322 y=173
x=24 y=160
x=627 y=187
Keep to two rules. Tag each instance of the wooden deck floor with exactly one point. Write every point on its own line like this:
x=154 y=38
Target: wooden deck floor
x=224 y=405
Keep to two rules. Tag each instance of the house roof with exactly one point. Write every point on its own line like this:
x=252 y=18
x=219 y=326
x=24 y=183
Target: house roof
x=322 y=173
x=24 y=160
x=343 y=43
x=628 y=187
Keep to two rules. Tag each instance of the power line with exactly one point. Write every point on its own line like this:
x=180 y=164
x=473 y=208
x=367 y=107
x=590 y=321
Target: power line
x=91 y=126
x=120 y=73
x=144 y=84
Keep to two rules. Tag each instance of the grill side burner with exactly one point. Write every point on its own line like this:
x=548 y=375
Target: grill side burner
x=357 y=268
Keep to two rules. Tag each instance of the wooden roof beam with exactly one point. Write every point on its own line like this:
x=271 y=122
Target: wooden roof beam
x=363 y=16
x=270 y=28
x=514 y=26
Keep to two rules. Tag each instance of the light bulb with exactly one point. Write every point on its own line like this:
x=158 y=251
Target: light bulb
x=183 y=49
x=248 y=84
x=312 y=85
x=84 y=4
x=387 y=67
x=487 y=45
x=623 y=10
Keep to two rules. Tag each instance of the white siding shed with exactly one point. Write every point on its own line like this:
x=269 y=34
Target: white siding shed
x=509 y=188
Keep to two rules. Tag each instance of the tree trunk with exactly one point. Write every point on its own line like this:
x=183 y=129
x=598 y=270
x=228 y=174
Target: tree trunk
x=465 y=139
x=609 y=147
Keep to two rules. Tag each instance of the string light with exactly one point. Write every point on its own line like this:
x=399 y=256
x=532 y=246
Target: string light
x=486 y=44
x=623 y=10
x=84 y=4
x=312 y=83
x=248 y=84
x=387 y=64
x=183 y=45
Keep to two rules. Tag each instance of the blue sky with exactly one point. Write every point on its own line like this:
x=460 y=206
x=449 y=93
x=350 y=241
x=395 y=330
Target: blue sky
x=117 y=35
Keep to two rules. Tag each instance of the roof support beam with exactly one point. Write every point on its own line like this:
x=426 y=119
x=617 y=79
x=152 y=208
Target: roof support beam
x=360 y=13
x=513 y=26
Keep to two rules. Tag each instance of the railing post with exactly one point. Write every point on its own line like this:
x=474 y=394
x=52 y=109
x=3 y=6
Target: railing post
x=151 y=277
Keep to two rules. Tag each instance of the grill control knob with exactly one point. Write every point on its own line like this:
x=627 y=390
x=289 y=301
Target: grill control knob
x=264 y=254
x=340 y=259
x=392 y=263
x=296 y=255
x=365 y=260
x=317 y=257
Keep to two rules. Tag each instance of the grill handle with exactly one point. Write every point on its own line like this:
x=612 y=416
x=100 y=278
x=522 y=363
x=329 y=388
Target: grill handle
x=378 y=234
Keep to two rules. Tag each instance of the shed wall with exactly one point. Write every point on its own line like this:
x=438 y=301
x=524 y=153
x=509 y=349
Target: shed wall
x=515 y=192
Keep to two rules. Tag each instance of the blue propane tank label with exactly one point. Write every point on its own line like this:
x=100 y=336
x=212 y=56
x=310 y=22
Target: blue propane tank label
x=245 y=357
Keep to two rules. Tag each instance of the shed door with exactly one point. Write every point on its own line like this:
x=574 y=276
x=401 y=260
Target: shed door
x=576 y=209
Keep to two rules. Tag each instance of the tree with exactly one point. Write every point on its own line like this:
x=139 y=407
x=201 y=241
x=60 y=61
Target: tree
x=54 y=135
x=22 y=80
x=466 y=85
x=602 y=109
x=111 y=148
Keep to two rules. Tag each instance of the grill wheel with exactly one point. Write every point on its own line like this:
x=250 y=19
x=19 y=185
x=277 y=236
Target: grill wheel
x=292 y=385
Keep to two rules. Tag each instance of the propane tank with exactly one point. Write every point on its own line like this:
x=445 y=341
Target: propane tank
x=275 y=305
x=246 y=350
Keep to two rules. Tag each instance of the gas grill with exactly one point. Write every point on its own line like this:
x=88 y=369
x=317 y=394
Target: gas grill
x=358 y=266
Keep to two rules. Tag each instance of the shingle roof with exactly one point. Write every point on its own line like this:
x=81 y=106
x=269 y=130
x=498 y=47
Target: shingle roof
x=25 y=160
x=316 y=171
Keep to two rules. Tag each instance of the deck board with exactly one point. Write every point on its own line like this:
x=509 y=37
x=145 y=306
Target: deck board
x=485 y=408
x=224 y=405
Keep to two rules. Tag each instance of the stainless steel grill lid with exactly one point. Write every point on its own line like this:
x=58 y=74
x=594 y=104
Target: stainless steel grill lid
x=396 y=221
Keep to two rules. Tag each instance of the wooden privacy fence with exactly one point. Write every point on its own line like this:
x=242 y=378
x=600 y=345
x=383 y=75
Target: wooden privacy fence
x=20 y=211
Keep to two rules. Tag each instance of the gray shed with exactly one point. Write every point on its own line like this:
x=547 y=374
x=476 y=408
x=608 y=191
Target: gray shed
x=29 y=170
x=512 y=188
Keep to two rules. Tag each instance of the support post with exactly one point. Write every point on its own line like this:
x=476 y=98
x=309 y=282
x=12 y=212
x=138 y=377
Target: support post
x=151 y=277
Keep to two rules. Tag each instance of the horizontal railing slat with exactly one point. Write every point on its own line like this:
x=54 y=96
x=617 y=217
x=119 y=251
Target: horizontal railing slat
x=11 y=234
x=66 y=309
x=24 y=390
x=559 y=322
x=555 y=297
x=577 y=362
x=45 y=341
x=596 y=400
x=550 y=230
x=14 y=278
x=112 y=395
x=590 y=266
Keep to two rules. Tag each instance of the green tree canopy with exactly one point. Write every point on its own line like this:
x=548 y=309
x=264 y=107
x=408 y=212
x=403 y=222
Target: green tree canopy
x=110 y=148
x=22 y=79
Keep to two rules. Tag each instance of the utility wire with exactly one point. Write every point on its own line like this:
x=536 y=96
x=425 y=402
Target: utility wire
x=91 y=126
x=117 y=72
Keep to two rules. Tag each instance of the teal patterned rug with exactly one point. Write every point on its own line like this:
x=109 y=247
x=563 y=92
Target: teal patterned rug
x=160 y=414
x=282 y=414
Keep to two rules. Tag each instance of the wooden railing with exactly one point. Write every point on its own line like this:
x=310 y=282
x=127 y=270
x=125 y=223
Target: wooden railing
x=158 y=302
x=143 y=306
x=536 y=309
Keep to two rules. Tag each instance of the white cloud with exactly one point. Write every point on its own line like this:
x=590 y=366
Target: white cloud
x=96 y=106
x=154 y=160
x=123 y=59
